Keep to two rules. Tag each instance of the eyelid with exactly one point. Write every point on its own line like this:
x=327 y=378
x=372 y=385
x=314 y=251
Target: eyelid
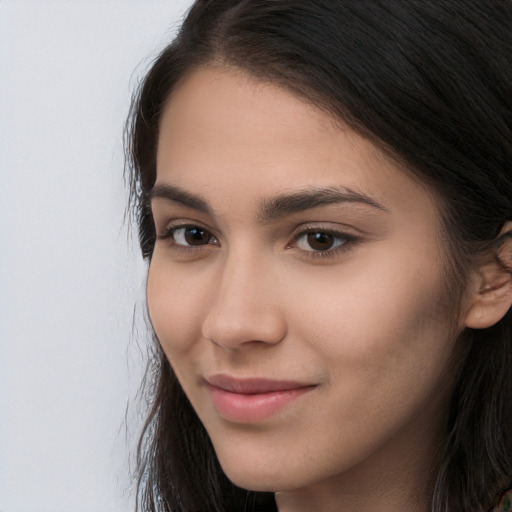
x=326 y=227
x=343 y=234
x=183 y=222
x=212 y=240
x=172 y=226
x=335 y=236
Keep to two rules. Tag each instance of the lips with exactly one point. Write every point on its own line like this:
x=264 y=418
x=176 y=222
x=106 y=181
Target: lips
x=252 y=386
x=255 y=399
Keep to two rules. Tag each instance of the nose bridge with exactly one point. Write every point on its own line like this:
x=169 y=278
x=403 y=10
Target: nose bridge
x=244 y=307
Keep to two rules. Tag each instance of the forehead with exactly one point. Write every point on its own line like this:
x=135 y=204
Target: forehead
x=226 y=134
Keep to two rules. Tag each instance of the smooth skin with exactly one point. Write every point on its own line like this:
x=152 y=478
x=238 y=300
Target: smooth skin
x=339 y=287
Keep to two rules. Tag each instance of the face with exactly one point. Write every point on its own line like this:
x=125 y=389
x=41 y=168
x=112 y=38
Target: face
x=296 y=287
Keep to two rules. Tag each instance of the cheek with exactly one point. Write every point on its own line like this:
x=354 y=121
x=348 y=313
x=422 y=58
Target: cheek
x=173 y=305
x=383 y=320
x=385 y=344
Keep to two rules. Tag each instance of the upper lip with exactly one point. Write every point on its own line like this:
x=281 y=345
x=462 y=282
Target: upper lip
x=253 y=386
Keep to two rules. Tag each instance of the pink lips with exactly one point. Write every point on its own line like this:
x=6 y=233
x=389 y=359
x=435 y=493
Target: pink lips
x=252 y=400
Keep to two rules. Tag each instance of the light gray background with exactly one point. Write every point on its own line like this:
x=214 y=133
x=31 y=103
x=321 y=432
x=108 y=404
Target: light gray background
x=69 y=275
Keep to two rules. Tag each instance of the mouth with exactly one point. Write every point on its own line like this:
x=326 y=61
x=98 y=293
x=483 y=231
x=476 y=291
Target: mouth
x=253 y=400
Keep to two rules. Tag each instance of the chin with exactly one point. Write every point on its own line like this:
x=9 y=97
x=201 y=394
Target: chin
x=254 y=477
x=261 y=476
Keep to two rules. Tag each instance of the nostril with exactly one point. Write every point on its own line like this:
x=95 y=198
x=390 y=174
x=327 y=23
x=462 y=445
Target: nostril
x=255 y=326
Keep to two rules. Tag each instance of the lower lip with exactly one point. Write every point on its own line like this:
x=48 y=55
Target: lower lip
x=241 y=408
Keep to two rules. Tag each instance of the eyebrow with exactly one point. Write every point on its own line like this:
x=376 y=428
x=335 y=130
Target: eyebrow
x=277 y=207
x=286 y=204
x=178 y=195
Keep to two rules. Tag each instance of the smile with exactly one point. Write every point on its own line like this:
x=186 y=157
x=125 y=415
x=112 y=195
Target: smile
x=252 y=400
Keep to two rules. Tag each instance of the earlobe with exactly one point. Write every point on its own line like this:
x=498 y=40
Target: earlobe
x=492 y=295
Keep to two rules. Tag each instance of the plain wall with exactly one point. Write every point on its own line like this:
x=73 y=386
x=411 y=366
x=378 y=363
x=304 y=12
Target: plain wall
x=69 y=273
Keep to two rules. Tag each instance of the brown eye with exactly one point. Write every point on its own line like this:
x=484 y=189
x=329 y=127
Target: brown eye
x=192 y=236
x=321 y=241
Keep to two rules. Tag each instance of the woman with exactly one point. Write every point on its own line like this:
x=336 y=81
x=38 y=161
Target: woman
x=324 y=193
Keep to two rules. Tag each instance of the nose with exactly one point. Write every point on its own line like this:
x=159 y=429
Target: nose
x=245 y=308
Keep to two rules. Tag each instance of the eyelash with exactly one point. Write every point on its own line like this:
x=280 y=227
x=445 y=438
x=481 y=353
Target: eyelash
x=171 y=230
x=338 y=236
x=345 y=238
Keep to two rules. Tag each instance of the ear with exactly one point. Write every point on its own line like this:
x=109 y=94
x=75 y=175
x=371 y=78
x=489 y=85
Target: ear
x=492 y=290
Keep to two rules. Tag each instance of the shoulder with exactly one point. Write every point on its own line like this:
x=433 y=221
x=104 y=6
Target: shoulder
x=505 y=504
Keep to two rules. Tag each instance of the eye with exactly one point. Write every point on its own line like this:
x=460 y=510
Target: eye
x=191 y=236
x=321 y=241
